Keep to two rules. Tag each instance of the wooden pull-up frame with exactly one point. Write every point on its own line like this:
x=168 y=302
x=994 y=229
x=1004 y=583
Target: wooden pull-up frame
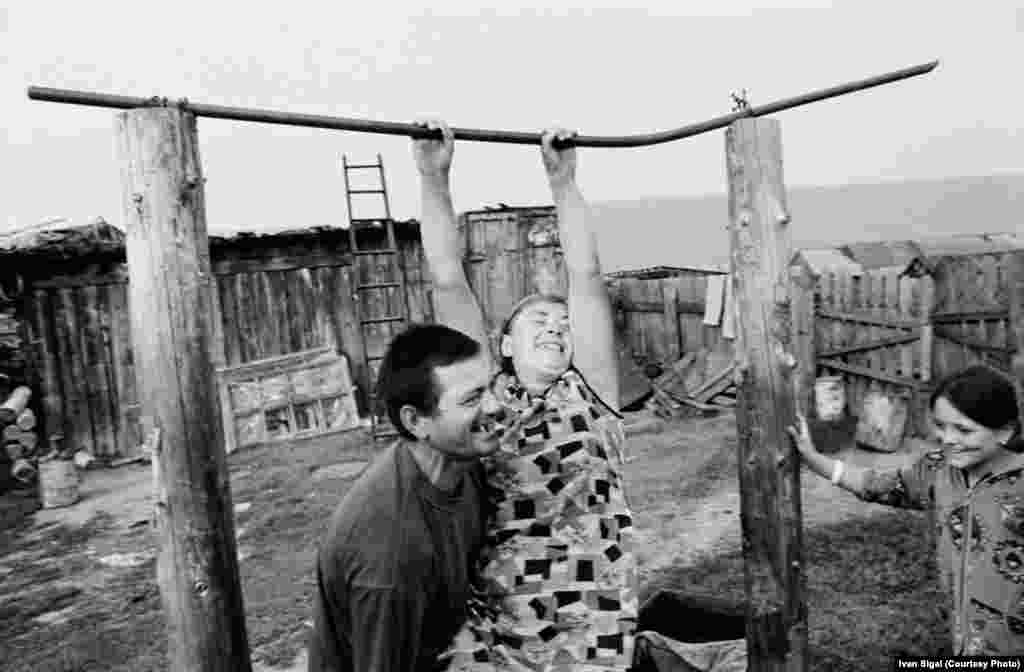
x=472 y=134
x=174 y=310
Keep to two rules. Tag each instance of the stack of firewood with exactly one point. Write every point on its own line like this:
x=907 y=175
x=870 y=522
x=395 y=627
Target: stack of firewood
x=20 y=435
x=700 y=382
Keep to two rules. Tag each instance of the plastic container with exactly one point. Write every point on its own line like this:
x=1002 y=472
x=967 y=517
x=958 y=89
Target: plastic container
x=830 y=398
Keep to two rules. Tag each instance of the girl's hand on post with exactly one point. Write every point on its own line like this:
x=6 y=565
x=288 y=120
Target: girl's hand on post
x=802 y=438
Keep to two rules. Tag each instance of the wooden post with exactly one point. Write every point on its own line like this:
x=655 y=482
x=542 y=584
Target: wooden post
x=770 y=516
x=171 y=287
x=802 y=290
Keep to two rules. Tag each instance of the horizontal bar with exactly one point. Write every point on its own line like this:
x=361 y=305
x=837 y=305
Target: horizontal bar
x=872 y=373
x=367 y=191
x=970 y=342
x=868 y=318
x=361 y=166
x=472 y=134
x=683 y=306
x=386 y=250
x=380 y=320
x=873 y=345
x=944 y=318
x=378 y=285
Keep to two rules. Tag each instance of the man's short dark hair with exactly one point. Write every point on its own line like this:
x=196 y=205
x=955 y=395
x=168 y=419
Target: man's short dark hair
x=406 y=373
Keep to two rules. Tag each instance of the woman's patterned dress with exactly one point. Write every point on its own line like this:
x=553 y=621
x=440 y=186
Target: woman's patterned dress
x=559 y=575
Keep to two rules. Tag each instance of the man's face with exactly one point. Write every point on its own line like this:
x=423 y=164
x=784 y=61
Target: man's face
x=461 y=426
x=539 y=341
x=967 y=443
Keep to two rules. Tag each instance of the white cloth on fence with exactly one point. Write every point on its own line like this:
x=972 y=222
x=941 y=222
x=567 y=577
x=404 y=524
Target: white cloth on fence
x=714 y=300
x=730 y=310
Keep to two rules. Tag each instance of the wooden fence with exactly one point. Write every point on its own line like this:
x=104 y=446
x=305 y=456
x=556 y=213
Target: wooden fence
x=660 y=314
x=276 y=295
x=897 y=334
x=287 y=293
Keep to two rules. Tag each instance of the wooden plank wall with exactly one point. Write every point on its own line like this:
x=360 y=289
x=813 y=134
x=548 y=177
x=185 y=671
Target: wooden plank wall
x=273 y=300
x=663 y=318
x=284 y=303
x=78 y=324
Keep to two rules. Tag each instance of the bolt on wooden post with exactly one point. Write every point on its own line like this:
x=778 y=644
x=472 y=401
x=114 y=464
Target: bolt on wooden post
x=170 y=284
x=769 y=470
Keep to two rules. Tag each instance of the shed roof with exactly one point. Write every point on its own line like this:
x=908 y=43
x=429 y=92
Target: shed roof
x=656 y=272
x=917 y=255
x=61 y=239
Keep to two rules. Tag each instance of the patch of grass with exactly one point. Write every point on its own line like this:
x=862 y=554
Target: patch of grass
x=291 y=506
x=118 y=624
x=872 y=589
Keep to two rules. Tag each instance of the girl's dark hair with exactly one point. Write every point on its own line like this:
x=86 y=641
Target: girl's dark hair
x=986 y=396
x=506 y=328
x=407 y=371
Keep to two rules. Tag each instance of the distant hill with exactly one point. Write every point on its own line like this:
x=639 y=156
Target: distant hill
x=677 y=231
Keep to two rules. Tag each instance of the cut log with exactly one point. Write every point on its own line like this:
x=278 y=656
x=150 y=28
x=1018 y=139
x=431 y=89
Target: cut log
x=14 y=450
x=27 y=420
x=23 y=470
x=12 y=434
x=15 y=404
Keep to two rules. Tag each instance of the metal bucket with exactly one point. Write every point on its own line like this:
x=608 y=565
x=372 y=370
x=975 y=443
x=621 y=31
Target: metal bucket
x=829 y=398
x=58 y=483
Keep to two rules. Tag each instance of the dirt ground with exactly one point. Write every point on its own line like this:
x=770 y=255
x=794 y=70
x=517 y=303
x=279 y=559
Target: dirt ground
x=77 y=584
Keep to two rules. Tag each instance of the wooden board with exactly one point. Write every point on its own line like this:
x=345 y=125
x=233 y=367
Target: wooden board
x=308 y=393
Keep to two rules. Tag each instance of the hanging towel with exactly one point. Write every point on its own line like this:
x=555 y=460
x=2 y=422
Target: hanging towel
x=714 y=300
x=729 y=319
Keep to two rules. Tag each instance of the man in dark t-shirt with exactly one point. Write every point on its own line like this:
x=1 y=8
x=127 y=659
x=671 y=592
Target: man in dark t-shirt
x=395 y=567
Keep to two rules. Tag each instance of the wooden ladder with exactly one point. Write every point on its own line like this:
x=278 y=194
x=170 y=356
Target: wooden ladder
x=380 y=297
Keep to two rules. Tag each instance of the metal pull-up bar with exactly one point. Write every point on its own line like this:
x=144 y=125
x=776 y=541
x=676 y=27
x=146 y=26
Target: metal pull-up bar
x=472 y=134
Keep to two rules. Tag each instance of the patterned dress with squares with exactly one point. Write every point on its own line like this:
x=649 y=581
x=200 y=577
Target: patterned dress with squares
x=558 y=580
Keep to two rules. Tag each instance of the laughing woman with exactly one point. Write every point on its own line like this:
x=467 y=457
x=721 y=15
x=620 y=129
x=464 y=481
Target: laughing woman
x=975 y=483
x=558 y=587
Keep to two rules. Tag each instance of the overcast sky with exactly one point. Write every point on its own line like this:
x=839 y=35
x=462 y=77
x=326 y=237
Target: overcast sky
x=599 y=69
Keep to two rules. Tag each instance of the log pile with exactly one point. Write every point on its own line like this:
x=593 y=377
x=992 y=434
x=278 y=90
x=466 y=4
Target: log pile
x=700 y=382
x=19 y=434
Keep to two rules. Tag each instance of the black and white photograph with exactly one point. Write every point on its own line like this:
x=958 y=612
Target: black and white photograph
x=449 y=337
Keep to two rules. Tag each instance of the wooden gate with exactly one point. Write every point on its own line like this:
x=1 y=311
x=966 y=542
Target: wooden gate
x=897 y=334
x=874 y=329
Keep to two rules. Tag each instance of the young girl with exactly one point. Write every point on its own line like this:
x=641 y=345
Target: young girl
x=973 y=481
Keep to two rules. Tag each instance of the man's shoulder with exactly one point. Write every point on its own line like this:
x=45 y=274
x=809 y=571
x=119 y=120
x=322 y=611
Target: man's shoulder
x=373 y=528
